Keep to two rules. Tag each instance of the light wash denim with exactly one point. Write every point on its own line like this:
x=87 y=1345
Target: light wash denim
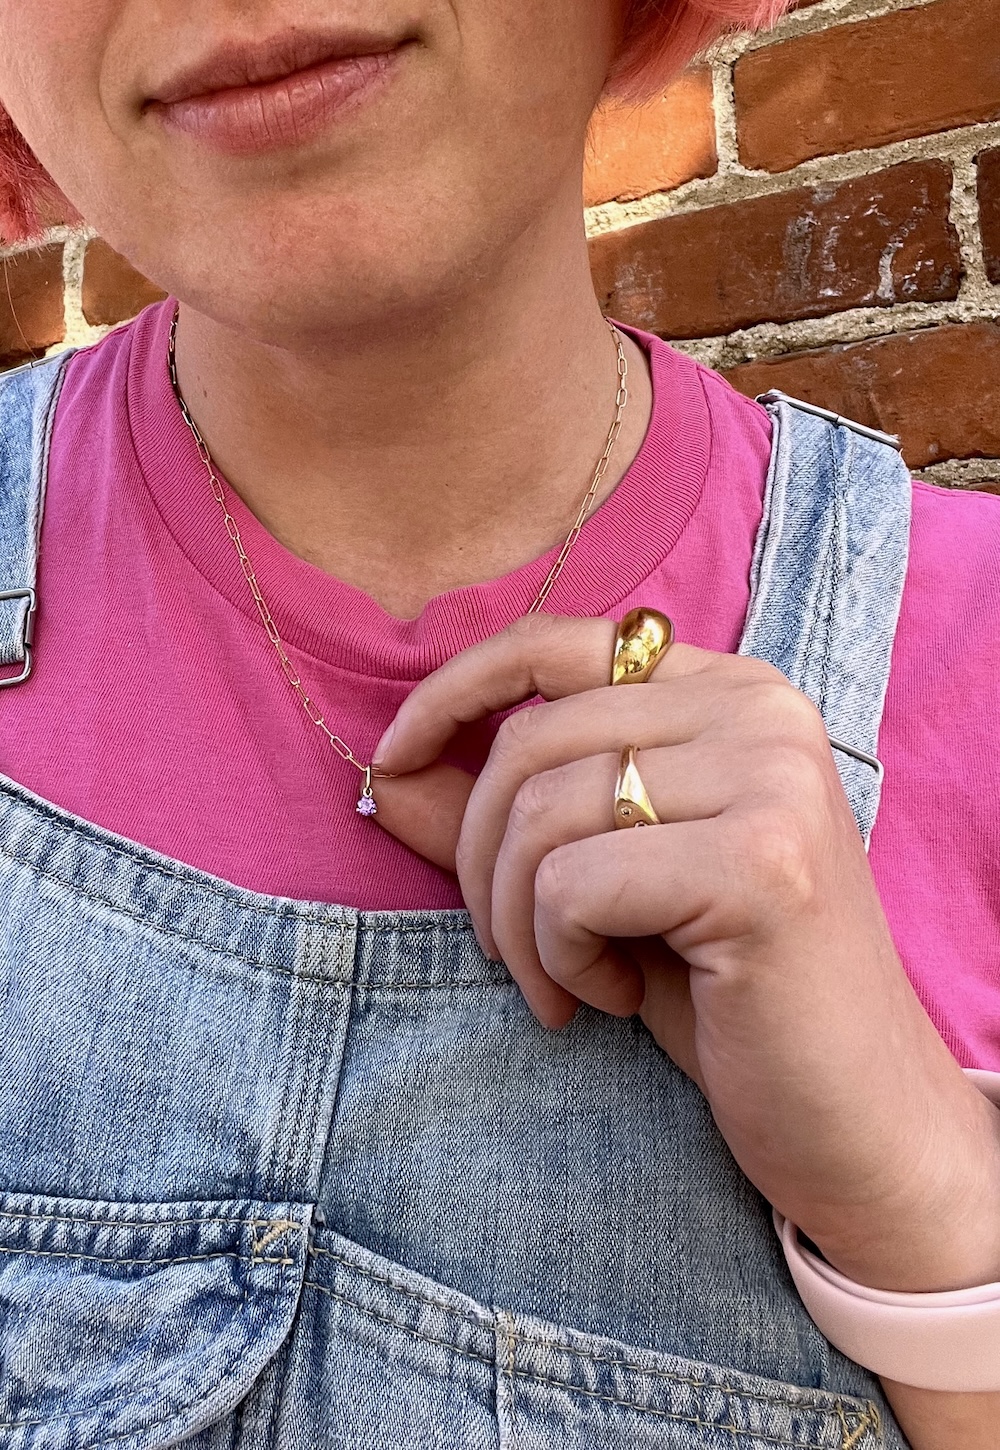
x=277 y=1175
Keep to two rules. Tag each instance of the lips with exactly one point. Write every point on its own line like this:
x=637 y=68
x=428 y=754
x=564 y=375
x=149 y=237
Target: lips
x=239 y=64
x=280 y=92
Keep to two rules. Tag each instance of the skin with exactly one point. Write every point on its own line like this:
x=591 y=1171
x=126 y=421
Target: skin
x=333 y=364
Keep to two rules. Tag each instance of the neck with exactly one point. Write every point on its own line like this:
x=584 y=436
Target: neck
x=415 y=456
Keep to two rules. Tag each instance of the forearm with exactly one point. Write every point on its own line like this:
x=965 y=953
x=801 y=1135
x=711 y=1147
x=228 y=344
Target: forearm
x=942 y=1230
x=935 y=1419
x=932 y=1420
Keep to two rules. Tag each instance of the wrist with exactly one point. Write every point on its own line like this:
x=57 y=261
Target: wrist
x=939 y=1229
x=937 y=1341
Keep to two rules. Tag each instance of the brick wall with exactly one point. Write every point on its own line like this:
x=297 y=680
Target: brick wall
x=825 y=219
x=817 y=210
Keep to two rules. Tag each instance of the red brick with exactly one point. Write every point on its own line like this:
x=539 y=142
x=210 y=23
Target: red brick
x=908 y=73
x=989 y=211
x=635 y=150
x=31 y=303
x=872 y=241
x=938 y=389
x=113 y=290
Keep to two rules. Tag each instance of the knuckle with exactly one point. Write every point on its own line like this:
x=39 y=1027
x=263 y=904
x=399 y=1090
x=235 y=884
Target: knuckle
x=514 y=734
x=536 y=799
x=794 y=774
x=777 y=702
x=753 y=671
x=778 y=853
x=531 y=628
x=554 y=884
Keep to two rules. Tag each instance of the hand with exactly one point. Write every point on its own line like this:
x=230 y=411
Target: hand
x=746 y=930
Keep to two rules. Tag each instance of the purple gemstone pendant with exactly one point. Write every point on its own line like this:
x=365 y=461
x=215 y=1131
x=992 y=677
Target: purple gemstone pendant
x=366 y=803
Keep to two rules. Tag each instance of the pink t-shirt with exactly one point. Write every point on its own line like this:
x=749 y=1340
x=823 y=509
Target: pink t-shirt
x=158 y=710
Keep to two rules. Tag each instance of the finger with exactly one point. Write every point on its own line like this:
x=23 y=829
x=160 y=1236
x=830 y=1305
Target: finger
x=685 y=782
x=667 y=1008
x=543 y=655
x=660 y=881
x=535 y=741
x=424 y=810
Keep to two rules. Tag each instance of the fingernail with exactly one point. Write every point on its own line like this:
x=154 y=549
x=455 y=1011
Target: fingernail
x=486 y=946
x=382 y=748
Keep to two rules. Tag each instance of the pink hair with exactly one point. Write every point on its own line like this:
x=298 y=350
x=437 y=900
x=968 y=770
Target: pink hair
x=661 y=36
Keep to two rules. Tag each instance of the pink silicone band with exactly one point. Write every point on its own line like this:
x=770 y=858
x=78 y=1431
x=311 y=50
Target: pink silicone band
x=947 y=1341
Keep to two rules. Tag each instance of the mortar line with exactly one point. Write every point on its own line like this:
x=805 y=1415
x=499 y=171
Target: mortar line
x=724 y=107
x=957 y=146
x=853 y=325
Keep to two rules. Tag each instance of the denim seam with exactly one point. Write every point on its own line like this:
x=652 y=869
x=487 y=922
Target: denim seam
x=273 y=1230
x=143 y=1222
x=871 y=1420
x=633 y=1365
x=420 y=1296
x=179 y=1259
x=838 y=532
x=115 y=908
x=434 y=986
x=509 y=1329
x=394 y=1323
x=202 y=882
x=729 y=1429
x=733 y=1430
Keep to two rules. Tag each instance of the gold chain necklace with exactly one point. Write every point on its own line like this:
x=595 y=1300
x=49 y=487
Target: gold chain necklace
x=366 y=804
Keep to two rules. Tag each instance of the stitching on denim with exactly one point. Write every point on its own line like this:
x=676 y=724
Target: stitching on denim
x=272 y=1231
x=838 y=531
x=435 y=986
x=132 y=1223
x=808 y=644
x=98 y=1259
x=394 y=1324
x=730 y=1429
x=421 y=1296
x=205 y=884
x=636 y=1366
x=510 y=1334
x=116 y=908
x=871 y=1420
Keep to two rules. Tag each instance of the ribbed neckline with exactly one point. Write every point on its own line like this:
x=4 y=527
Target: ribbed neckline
x=620 y=545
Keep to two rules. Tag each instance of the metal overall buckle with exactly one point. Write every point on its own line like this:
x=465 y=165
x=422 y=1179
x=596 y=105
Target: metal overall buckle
x=29 y=633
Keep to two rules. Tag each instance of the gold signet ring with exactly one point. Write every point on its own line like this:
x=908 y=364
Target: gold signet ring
x=632 y=805
x=642 y=637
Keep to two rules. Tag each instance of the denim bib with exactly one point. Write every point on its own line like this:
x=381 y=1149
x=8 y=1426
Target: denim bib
x=279 y=1175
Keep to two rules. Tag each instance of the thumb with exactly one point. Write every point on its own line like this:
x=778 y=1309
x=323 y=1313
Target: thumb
x=424 y=810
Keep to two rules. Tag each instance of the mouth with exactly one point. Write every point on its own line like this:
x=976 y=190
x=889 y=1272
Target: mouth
x=247 y=98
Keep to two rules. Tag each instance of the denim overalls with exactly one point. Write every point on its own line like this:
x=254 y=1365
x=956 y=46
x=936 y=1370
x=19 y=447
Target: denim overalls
x=279 y=1175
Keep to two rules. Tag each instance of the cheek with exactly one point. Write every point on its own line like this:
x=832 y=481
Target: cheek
x=51 y=56
x=45 y=47
x=537 y=70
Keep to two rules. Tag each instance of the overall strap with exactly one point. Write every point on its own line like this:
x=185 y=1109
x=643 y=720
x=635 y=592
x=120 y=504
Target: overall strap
x=827 y=578
x=28 y=397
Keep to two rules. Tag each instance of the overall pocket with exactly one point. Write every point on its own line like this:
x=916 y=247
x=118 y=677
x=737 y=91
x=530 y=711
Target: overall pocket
x=135 y=1325
x=407 y=1362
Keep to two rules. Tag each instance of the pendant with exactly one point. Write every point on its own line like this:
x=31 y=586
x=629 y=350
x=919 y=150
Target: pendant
x=366 y=802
